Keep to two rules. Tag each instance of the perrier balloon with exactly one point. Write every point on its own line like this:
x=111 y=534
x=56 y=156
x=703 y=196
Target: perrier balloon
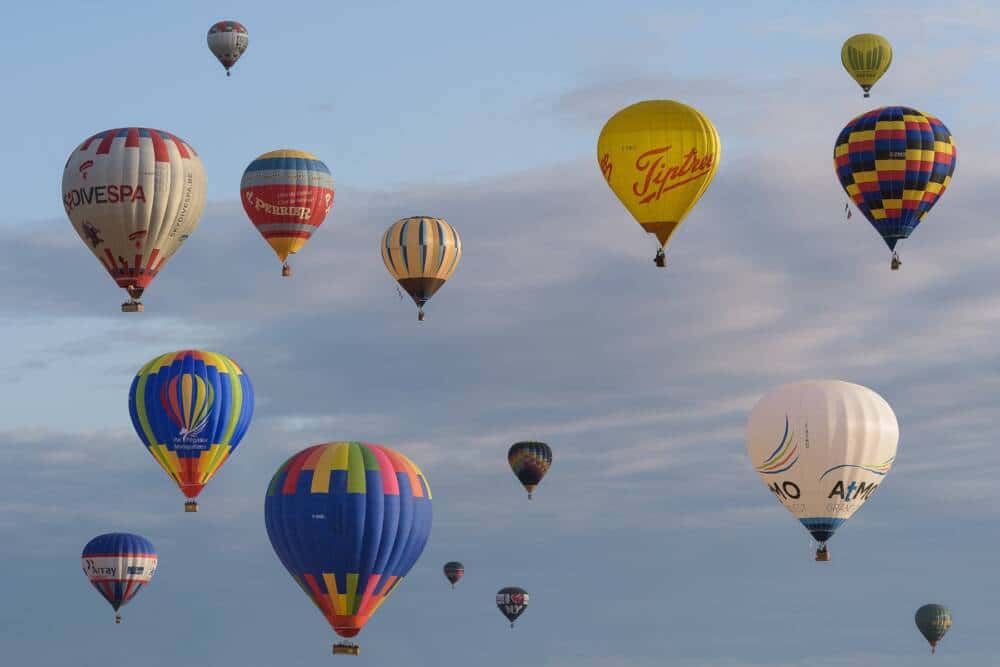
x=659 y=157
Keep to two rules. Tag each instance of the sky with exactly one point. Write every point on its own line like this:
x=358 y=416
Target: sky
x=651 y=541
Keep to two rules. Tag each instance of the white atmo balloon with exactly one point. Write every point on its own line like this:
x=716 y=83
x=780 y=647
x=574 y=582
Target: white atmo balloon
x=822 y=447
x=227 y=40
x=133 y=195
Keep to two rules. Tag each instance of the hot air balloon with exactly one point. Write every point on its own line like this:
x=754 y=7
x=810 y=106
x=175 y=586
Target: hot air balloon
x=421 y=253
x=866 y=58
x=530 y=461
x=895 y=163
x=659 y=157
x=191 y=409
x=348 y=520
x=933 y=621
x=512 y=601
x=453 y=571
x=118 y=565
x=227 y=40
x=133 y=195
x=287 y=194
x=822 y=448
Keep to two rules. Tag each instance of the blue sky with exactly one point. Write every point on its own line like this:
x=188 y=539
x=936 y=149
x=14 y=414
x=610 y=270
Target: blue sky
x=651 y=541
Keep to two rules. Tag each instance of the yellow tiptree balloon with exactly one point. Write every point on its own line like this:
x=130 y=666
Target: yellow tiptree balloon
x=659 y=157
x=866 y=58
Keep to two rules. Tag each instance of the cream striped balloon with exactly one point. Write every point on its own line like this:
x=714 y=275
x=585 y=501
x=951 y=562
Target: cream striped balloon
x=822 y=447
x=421 y=253
x=133 y=195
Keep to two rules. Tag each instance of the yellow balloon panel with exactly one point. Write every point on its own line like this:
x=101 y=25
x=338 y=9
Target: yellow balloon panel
x=659 y=157
x=866 y=57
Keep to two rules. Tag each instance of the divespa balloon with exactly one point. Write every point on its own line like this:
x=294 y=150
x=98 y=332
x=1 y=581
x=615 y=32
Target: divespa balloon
x=530 y=461
x=933 y=621
x=191 y=409
x=133 y=195
x=866 y=57
x=454 y=571
x=659 y=157
x=227 y=40
x=421 y=253
x=822 y=448
x=287 y=194
x=895 y=163
x=512 y=601
x=118 y=565
x=348 y=520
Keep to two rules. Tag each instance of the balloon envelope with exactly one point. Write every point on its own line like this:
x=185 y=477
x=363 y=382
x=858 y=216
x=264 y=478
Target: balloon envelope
x=227 y=40
x=453 y=571
x=512 y=601
x=659 y=157
x=191 y=409
x=118 y=565
x=287 y=195
x=421 y=253
x=348 y=520
x=866 y=57
x=529 y=460
x=822 y=448
x=933 y=621
x=895 y=163
x=133 y=195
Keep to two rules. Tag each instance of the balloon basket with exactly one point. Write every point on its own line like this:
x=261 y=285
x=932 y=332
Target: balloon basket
x=420 y=316
x=133 y=307
x=345 y=648
x=118 y=619
x=822 y=555
x=191 y=506
x=895 y=263
x=286 y=271
x=661 y=259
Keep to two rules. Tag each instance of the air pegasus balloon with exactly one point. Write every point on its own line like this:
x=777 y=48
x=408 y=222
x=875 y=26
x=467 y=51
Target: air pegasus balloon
x=822 y=448
x=118 y=565
x=866 y=57
x=659 y=157
x=287 y=194
x=134 y=195
x=421 y=253
x=895 y=163
x=348 y=520
x=191 y=409
x=227 y=40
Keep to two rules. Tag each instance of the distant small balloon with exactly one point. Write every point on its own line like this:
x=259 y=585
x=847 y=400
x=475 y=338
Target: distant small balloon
x=118 y=565
x=453 y=571
x=529 y=460
x=512 y=601
x=421 y=253
x=227 y=40
x=866 y=57
x=933 y=621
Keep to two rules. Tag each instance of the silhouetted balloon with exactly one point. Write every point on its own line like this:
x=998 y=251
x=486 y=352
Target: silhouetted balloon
x=512 y=601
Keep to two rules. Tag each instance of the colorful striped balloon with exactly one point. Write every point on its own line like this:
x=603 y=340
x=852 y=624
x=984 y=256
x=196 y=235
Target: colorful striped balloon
x=421 y=253
x=287 y=194
x=191 y=409
x=118 y=565
x=348 y=520
x=895 y=163
x=530 y=461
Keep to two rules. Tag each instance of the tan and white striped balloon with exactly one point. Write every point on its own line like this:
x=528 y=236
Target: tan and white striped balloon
x=133 y=195
x=421 y=253
x=822 y=447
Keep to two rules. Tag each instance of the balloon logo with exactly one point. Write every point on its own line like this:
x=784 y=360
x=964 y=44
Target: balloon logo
x=512 y=601
x=348 y=520
x=421 y=254
x=895 y=163
x=133 y=195
x=227 y=40
x=287 y=194
x=118 y=565
x=530 y=461
x=191 y=409
x=659 y=157
x=866 y=58
x=822 y=448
